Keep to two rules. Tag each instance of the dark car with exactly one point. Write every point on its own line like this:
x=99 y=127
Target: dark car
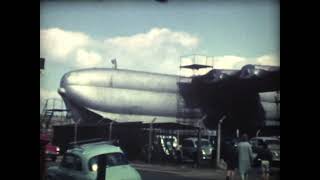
x=51 y=150
x=273 y=145
x=189 y=147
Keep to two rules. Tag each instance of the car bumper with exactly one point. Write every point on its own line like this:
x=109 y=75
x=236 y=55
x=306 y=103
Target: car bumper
x=52 y=153
x=206 y=157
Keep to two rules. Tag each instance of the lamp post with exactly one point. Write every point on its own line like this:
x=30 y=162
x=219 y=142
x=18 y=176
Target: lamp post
x=76 y=131
x=110 y=130
x=218 y=141
x=237 y=133
x=150 y=140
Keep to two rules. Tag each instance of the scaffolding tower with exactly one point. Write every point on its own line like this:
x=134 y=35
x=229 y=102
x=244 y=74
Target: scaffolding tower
x=54 y=113
x=190 y=67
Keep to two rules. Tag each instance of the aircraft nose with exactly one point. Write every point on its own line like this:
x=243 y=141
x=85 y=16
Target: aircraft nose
x=65 y=80
x=62 y=91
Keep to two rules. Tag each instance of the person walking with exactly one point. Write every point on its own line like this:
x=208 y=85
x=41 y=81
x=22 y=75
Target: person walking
x=229 y=155
x=244 y=157
x=195 y=158
x=266 y=157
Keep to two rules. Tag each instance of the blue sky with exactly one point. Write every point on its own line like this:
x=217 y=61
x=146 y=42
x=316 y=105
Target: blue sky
x=151 y=36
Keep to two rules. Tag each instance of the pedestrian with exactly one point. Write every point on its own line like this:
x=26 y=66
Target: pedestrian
x=195 y=159
x=244 y=157
x=197 y=155
x=178 y=154
x=229 y=155
x=266 y=157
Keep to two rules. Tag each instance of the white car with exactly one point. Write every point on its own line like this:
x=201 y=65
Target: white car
x=81 y=164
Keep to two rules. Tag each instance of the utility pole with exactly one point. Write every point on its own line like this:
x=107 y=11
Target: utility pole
x=178 y=136
x=237 y=133
x=76 y=131
x=114 y=62
x=150 y=140
x=218 y=141
x=199 y=145
x=110 y=130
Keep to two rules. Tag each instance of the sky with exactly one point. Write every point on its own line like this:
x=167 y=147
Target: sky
x=150 y=36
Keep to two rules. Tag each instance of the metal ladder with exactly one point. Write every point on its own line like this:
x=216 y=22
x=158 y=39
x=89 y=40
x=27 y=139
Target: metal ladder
x=195 y=67
x=48 y=112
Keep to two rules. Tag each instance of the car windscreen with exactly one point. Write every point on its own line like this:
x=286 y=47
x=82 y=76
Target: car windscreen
x=204 y=143
x=112 y=159
x=187 y=143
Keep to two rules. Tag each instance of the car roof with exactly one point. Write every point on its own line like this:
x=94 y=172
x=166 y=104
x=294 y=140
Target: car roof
x=94 y=149
x=265 y=138
x=194 y=139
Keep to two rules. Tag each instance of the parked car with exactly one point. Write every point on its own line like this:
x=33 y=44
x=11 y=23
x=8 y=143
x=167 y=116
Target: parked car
x=43 y=142
x=189 y=146
x=273 y=144
x=81 y=163
x=52 y=151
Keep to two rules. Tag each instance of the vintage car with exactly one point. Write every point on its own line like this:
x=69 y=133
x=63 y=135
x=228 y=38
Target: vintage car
x=272 y=143
x=189 y=147
x=51 y=151
x=81 y=163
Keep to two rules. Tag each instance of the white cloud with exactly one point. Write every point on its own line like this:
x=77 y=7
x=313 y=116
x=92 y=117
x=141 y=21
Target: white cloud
x=58 y=44
x=237 y=62
x=271 y=60
x=157 y=50
x=155 y=38
x=87 y=58
x=229 y=62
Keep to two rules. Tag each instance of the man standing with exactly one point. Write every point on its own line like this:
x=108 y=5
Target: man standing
x=245 y=157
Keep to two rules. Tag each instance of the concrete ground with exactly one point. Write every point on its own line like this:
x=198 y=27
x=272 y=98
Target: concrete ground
x=186 y=172
x=206 y=172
